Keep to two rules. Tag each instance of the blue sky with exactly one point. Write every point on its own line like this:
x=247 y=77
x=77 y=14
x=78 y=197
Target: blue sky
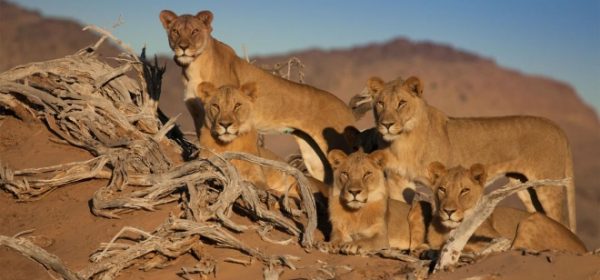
x=558 y=39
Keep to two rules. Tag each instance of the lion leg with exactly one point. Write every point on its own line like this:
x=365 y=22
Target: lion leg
x=196 y=110
x=553 y=202
x=251 y=172
x=313 y=162
x=526 y=200
x=419 y=218
x=400 y=188
x=377 y=241
x=570 y=189
x=550 y=200
x=571 y=205
x=538 y=233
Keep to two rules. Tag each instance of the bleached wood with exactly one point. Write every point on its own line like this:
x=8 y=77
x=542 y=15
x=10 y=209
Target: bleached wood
x=111 y=112
x=30 y=250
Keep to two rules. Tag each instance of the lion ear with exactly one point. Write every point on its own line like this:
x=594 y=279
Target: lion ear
x=436 y=170
x=249 y=89
x=166 y=17
x=375 y=86
x=205 y=90
x=380 y=157
x=206 y=17
x=414 y=86
x=478 y=173
x=336 y=157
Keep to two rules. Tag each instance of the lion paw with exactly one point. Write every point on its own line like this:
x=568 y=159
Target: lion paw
x=351 y=249
x=327 y=247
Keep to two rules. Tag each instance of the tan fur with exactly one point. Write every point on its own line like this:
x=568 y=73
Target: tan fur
x=317 y=118
x=228 y=126
x=530 y=146
x=363 y=218
x=280 y=182
x=458 y=190
x=231 y=106
x=370 y=140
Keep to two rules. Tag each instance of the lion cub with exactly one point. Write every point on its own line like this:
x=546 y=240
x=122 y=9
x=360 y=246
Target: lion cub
x=228 y=126
x=363 y=218
x=456 y=192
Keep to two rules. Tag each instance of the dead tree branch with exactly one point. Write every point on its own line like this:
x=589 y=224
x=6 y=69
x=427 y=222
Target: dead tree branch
x=304 y=187
x=49 y=261
x=112 y=113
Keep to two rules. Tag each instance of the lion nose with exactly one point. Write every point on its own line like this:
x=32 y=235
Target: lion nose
x=225 y=124
x=387 y=124
x=184 y=45
x=354 y=192
x=449 y=211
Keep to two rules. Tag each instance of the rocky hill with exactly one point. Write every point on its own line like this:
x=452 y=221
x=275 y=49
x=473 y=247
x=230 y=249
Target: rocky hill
x=459 y=83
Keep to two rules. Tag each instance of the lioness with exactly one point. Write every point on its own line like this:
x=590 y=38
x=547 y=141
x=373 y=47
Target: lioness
x=456 y=192
x=315 y=117
x=363 y=218
x=228 y=126
x=522 y=147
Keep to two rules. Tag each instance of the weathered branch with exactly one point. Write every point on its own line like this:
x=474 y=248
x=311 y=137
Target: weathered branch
x=112 y=112
x=49 y=261
x=303 y=185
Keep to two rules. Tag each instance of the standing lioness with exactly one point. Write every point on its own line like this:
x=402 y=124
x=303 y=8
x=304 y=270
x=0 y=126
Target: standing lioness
x=316 y=117
x=526 y=148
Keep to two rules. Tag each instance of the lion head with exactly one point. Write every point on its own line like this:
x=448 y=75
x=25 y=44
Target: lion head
x=188 y=35
x=228 y=109
x=358 y=178
x=397 y=105
x=456 y=191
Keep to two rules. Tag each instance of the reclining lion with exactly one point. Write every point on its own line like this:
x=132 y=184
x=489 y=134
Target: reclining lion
x=521 y=147
x=456 y=192
x=315 y=117
x=362 y=216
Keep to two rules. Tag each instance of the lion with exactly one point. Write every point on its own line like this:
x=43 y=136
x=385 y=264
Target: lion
x=370 y=140
x=457 y=190
x=362 y=216
x=228 y=126
x=315 y=117
x=520 y=147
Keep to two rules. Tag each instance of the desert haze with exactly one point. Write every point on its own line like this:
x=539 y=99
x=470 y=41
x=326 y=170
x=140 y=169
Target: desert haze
x=459 y=83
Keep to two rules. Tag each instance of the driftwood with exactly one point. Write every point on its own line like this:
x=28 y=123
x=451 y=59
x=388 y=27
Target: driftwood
x=30 y=250
x=286 y=69
x=457 y=239
x=112 y=113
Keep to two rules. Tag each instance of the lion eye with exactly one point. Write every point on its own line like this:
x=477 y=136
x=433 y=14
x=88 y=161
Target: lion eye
x=442 y=190
x=194 y=31
x=237 y=107
x=465 y=191
x=401 y=104
x=379 y=105
x=343 y=177
x=367 y=175
x=175 y=32
x=214 y=109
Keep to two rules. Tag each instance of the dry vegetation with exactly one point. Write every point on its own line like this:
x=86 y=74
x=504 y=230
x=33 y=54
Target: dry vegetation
x=112 y=113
